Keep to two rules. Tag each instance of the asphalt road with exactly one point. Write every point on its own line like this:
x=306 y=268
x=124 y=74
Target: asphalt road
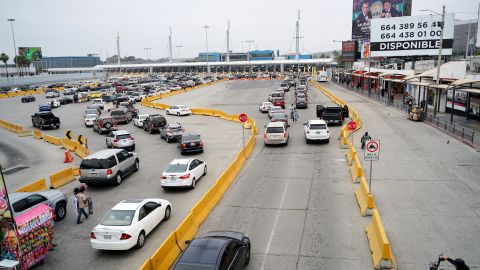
x=426 y=186
x=222 y=141
x=296 y=203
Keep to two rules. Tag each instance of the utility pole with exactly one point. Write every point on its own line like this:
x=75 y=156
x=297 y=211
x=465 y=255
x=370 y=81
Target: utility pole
x=228 y=42
x=178 y=48
x=146 y=50
x=14 y=45
x=439 y=63
x=170 y=45
x=249 y=56
x=206 y=44
x=297 y=43
x=118 y=50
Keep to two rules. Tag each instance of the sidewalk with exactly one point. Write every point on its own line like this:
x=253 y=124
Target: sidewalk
x=467 y=131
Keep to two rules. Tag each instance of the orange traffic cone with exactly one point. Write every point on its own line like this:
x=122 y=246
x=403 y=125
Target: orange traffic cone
x=68 y=157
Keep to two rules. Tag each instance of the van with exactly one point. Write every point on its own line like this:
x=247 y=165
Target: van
x=276 y=133
x=108 y=166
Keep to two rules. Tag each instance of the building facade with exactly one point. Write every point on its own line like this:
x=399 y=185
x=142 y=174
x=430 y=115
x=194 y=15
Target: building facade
x=70 y=61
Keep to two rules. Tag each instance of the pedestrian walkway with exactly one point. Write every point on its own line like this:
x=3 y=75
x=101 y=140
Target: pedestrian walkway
x=465 y=130
x=426 y=185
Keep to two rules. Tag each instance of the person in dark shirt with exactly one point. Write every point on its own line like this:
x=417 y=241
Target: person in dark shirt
x=459 y=263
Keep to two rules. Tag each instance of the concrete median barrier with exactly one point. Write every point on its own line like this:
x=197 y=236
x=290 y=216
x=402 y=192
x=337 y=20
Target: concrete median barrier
x=356 y=170
x=164 y=256
x=351 y=153
x=52 y=139
x=187 y=229
x=69 y=144
x=82 y=151
x=364 y=198
x=382 y=255
x=38 y=185
x=62 y=178
x=37 y=134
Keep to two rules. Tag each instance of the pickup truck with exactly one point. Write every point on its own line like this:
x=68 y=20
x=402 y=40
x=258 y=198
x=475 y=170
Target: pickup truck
x=330 y=113
x=45 y=119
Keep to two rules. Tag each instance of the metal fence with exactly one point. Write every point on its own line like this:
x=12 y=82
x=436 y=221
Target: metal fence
x=460 y=132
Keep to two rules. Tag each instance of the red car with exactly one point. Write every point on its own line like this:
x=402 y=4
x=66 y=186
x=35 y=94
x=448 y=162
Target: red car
x=279 y=102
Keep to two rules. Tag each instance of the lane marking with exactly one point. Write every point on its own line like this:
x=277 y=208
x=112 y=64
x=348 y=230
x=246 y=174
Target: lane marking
x=275 y=222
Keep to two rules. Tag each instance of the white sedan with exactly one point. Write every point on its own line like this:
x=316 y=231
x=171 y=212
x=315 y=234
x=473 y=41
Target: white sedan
x=265 y=106
x=183 y=173
x=55 y=103
x=139 y=119
x=179 y=110
x=127 y=223
x=89 y=119
x=316 y=130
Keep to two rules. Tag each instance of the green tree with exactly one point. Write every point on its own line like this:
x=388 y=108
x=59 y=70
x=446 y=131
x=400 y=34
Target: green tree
x=4 y=58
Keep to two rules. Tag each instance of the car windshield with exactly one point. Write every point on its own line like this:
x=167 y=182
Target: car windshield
x=274 y=129
x=318 y=126
x=123 y=136
x=118 y=218
x=176 y=168
x=191 y=137
x=193 y=266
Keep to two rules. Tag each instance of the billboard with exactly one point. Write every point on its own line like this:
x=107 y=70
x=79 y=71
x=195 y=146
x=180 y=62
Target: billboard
x=412 y=35
x=364 y=49
x=365 y=10
x=5 y=211
x=31 y=53
x=349 y=50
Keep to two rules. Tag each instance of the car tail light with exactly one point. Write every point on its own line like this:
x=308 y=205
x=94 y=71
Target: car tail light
x=116 y=140
x=131 y=138
x=109 y=172
x=92 y=236
x=201 y=143
x=163 y=177
x=186 y=176
x=265 y=136
x=125 y=236
x=284 y=135
x=183 y=146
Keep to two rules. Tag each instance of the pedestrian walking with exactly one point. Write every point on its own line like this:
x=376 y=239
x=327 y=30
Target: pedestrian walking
x=364 y=139
x=295 y=115
x=82 y=189
x=81 y=203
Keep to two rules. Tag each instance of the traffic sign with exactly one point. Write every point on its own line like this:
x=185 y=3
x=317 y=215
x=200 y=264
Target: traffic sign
x=243 y=118
x=68 y=134
x=372 y=150
x=80 y=139
x=352 y=126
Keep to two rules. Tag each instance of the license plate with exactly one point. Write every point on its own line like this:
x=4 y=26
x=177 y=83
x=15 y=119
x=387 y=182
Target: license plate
x=93 y=174
x=192 y=144
x=319 y=132
x=107 y=237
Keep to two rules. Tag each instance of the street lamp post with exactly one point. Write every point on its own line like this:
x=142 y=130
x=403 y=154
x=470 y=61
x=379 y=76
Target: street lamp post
x=14 y=45
x=206 y=44
x=178 y=48
x=146 y=51
x=248 y=54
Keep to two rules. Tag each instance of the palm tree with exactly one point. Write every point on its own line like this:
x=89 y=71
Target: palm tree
x=4 y=58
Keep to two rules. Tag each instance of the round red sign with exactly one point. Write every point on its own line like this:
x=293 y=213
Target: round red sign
x=352 y=125
x=243 y=118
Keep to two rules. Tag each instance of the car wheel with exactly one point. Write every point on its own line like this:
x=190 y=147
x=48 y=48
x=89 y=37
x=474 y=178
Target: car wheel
x=60 y=211
x=247 y=255
x=168 y=139
x=307 y=141
x=137 y=165
x=106 y=142
x=178 y=114
x=132 y=148
x=140 y=240
x=167 y=112
x=118 y=179
x=150 y=130
x=192 y=186
x=205 y=170
x=328 y=140
x=168 y=213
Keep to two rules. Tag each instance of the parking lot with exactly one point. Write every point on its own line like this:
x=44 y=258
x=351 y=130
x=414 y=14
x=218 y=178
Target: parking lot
x=222 y=141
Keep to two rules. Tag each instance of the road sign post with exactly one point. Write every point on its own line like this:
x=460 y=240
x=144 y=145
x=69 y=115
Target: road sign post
x=372 y=153
x=243 y=118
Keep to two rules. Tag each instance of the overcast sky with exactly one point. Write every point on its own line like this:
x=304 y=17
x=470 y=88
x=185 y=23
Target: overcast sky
x=66 y=28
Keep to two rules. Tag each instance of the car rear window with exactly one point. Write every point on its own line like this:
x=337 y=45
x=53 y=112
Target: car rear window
x=318 y=126
x=98 y=163
x=194 y=266
x=333 y=110
x=278 y=116
x=118 y=218
x=123 y=136
x=45 y=115
x=175 y=128
x=176 y=168
x=118 y=113
x=157 y=119
x=191 y=137
x=274 y=129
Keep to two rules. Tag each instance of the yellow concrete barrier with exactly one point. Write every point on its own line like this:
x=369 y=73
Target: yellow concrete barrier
x=37 y=134
x=52 y=139
x=62 y=177
x=364 y=198
x=186 y=230
x=382 y=255
x=165 y=254
x=356 y=169
x=69 y=144
x=351 y=153
x=82 y=151
x=38 y=185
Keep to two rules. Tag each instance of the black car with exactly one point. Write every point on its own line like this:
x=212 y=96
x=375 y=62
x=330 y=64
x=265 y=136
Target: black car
x=45 y=119
x=215 y=250
x=66 y=100
x=28 y=99
x=190 y=142
x=330 y=113
x=154 y=122
x=171 y=132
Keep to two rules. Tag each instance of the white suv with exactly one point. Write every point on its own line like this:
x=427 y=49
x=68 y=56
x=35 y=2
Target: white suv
x=276 y=133
x=316 y=130
x=120 y=139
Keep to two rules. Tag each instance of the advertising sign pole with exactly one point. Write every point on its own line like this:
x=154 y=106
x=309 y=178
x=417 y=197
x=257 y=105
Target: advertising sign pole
x=439 y=62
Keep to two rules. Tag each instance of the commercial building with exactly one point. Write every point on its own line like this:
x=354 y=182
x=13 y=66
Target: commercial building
x=212 y=57
x=292 y=56
x=464 y=31
x=70 y=61
x=259 y=55
x=235 y=56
